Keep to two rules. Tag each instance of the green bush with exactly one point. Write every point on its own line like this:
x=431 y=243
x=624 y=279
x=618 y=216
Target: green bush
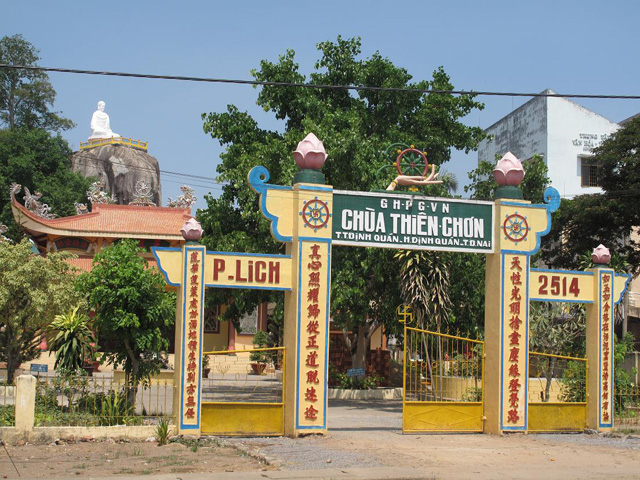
x=574 y=382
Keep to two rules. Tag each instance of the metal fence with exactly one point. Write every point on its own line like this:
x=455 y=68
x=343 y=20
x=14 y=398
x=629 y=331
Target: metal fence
x=557 y=378
x=442 y=368
x=245 y=376
x=71 y=400
x=627 y=406
x=7 y=404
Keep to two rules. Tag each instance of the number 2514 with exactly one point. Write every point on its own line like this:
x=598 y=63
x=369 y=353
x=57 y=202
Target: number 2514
x=558 y=286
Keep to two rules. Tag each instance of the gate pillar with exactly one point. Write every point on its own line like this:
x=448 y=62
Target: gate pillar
x=518 y=228
x=301 y=218
x=608 y=289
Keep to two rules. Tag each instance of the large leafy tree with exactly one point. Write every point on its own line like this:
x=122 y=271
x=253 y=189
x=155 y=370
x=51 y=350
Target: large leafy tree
x=40 y=162
x=33 y=289
x=134 y=313
x=356 y=128
x=26 y=96
x=584 y=222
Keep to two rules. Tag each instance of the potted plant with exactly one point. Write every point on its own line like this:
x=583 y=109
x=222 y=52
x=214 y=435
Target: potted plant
x=259 y=358
x=205 y=366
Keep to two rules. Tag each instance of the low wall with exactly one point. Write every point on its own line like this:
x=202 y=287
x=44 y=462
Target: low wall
x=374 y=394
x=48 y=434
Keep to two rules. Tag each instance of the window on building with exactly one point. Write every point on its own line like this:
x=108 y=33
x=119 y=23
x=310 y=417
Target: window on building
x=211 y=320
x=589 y=172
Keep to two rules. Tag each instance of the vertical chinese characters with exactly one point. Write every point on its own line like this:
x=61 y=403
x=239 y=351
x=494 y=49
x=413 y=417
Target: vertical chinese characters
x=516 y=336
x=313 y=330
x=192 y=341
x=605 y=346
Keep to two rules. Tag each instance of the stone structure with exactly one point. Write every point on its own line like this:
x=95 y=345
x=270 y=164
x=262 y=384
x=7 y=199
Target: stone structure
x=120 y=168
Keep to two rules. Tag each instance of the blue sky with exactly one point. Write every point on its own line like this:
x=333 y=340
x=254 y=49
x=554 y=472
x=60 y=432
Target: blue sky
x=568 y=46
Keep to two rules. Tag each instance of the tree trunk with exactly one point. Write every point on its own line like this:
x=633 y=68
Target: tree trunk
x=132 y=378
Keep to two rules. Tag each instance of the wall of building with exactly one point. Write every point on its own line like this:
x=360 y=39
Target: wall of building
x=523 y=132
x=572 y=131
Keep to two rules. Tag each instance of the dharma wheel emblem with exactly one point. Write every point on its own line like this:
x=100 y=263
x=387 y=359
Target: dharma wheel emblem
x=515 y=227
x=315 y=214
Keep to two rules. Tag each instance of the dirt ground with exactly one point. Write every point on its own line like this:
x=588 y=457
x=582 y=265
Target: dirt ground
x=362 y=434
x=105 y=459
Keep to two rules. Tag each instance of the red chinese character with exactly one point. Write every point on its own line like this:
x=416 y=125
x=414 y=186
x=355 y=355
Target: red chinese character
x=192 y=356
x=514 y=308
x=515 y=264
x=193 y=314
x=193 y=345
x=194 y=268
x=311 y=342
x=514 y=385
x=605 y=417
x=194 y=257
x=193 y=303
x=191 y=366
x=312 y=295
x=514 y=338
x=314 y=279
x=193 y=324
x=513 y=370
x=605 y=278
x=513 y=399
x=191 y=389
x=515 y=294
x=194 y=291
x=191 y=377
x=513 y=416
x=190 y=401
x=190 y=413
x=312 y=327
x=606 y=307
x=312 y=358
x=313 y=310
x=513 y=354
x=605 y=405
x=314 y=252
x=515 y=278
x=312 y=376
x=193 y=335
x=310 y=395
x=315 y=265
x=194 y=279
x=310 y=413
x=515 y=322
x=606 y=297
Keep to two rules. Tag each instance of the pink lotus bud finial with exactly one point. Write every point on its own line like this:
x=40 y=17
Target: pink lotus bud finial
x=508 y=171
x=601 y=255
x=310 y=153
x=191 y=230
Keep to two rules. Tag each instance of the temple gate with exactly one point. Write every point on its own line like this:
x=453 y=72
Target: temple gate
x=310 y=216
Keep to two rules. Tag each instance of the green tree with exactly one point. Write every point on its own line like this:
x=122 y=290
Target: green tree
x=33 y=289
x=73 y=341
x=26 y=96
x=41 y=162
x=356 y=128
x=586 y=221
x=133 y=312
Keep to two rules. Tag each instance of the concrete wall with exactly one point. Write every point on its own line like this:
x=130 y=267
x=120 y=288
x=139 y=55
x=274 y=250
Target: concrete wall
x=523 y=132
x=572 y=131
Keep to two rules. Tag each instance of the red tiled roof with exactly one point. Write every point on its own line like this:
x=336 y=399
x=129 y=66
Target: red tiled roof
x=84 y=263
x=117 y=221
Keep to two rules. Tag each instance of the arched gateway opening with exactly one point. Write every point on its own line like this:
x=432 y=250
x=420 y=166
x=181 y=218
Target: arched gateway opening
x=450 y=383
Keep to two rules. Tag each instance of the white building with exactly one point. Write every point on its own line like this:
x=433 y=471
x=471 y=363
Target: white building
x=560 y=130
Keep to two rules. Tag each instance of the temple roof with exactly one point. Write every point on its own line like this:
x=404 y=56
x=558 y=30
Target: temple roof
x=109 y=221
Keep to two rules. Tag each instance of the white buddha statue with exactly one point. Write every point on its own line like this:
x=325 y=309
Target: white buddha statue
x=100 y=127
